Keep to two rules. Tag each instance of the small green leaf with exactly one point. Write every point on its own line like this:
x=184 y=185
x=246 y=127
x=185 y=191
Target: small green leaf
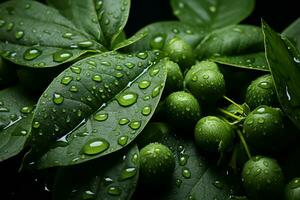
x=159 y=33
x=111 y=178
x=237 y=45
x=96 y=107
x=129 y=41
x=31 y=36
x=284 y=62
x=15 y=120
x=212 y=14
x=293 y=32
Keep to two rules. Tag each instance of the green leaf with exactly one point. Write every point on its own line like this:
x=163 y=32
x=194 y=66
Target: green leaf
x=159 y=33
x=133 y=39
x=108 y=98
x=15 y=120
x=30 y=35
x=293 y=32
x=284 y=62
x=108 y=178
x=212 y=14
x=237 y=45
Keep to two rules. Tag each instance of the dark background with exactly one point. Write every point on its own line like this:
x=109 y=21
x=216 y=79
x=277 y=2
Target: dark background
x=278 y=14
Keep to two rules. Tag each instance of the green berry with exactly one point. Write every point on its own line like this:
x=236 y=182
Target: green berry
x=156 y=162
x=292 y=190
x=262 y=178
x=174 y=80
x=180 y=52
x=208 y=85
x=263 y=129
x=213 y=134
x=261 y=91
x=182 y=109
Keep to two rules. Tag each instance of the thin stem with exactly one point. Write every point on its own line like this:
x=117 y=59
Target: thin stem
x=231 y=101
x=244 y=144
x=229 y=114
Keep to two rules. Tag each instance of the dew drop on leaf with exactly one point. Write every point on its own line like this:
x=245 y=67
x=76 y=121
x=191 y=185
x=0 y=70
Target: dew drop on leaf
x=123 y=140
x=157 y=42
x=123 y=121
x=10 y=26
x=114 y=191
x=119 y=75
x=142 y=55
x=31 y=54
x=62 y=56
x=127 y=99
x=67 y=35
x=128 y=173
x=25 y=109
x=146 y=110
x=135 y=125
x=156 y=91
x=66 y=80
x=97 y=78
x=186 y=173
x=95 y=146
x=57 y=98
x=88 y=194
x=154 y=71
x=4 y=109
x=85 y=44
x=101 y=117
x=264 y=85
x=144 y=84
x=36 y=124
x=19 y=35
x=129 y=65
x=73 y=88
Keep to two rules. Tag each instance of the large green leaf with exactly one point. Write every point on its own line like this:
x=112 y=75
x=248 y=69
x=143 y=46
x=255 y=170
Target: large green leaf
x=108 y=178
x=35 y=35
x=284 y=62
x=212 y=14
x=159 y=33
x=236 y=45
x=103 y=19
x=15 y=120
x=293 y=32
x=107 y=98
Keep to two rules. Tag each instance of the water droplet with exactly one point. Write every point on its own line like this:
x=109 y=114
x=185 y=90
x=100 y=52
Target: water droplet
x=36 y=124
x=62 y=56
x=66 y=80
x=212 y=9
x=127 y=99
x=175 y=30
x=218 y=184
x=97 y=78
x=76 y=70
x=128 y=173
x=123 y=121
x=297 y=60
x=73 y=88
x=154 y=71
x=23 y=132
x=68 y=35
x=27 y=6
x=144 y=84
x=10 y=26
x=257 y=172
x=119 y=75
x=98 y=5
x=205 y=76
x=142 y=55
x=101 y=117
x=261 y=120
x=85 y=44
x=95 y=146
x=146 y=110
x=186 y=173
x=88 y=195
x=114 y=191
x=183 y=160
x=3 y=109
x=26 y=109
x=156 y=91
x=264 y=85
x=31 y=54
x=57 y=98
x=157 y=42
x=129 y=65
x=123 y=140
x=19 y=35
x=178 y=182
x=135 y=125
x=261 y=110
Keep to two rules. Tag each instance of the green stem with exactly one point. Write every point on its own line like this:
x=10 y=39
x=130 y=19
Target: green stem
x=244 y=144
x=229 y=114
x=231 y=101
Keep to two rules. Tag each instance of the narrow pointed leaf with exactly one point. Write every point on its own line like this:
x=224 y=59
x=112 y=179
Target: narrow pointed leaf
x=284 y=62
x=293 y=32
x=15 y=120
x=159 y=33
x=212 y=13
x=31 y=36
x=113 y=178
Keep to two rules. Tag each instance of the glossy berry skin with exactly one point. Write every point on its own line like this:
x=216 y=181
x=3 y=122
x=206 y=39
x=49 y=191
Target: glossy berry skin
x=292 y=190
x=213 y=134
x=261 y=91
x=157 y=162
x=263 y=179
x=180 y=52
x=263 y=129
x=182 y=109
x=174 y=80
x=207 y=85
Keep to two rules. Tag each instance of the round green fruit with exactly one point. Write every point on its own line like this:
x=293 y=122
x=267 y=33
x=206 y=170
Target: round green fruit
x=180 y=52
x=261 y=91
x=263 y=129
x=292 y=190
x=263 y=179
x=213 y=134
x=174 y=80
x=207 y=85
x=182 y=109
x=157 y=162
